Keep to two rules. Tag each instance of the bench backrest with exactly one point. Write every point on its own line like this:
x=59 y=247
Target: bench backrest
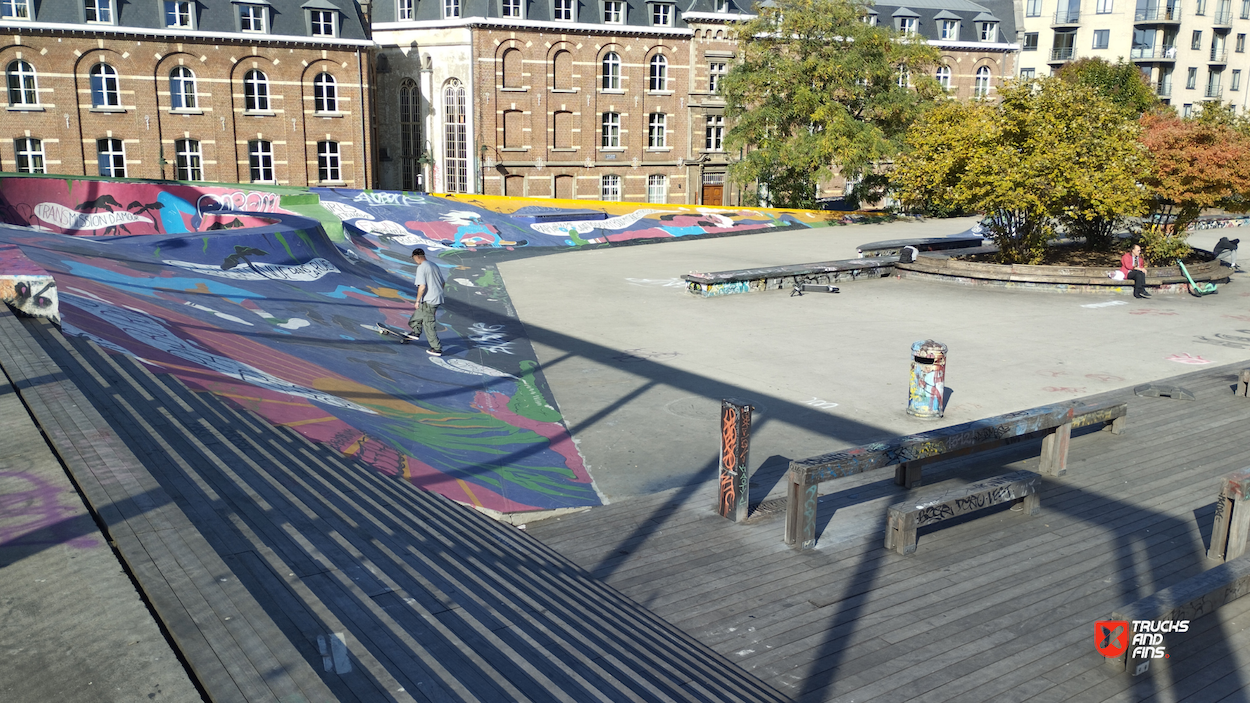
x=946 y=440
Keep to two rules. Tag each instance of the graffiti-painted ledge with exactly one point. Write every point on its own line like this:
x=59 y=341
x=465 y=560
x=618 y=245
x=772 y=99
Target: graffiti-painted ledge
x=1062 y=279
x=710 y=285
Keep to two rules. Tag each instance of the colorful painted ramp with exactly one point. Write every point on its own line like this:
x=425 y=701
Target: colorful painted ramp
x=279 y=321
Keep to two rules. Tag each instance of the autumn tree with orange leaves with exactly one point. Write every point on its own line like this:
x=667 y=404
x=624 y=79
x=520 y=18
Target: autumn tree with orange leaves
x=1196 y=164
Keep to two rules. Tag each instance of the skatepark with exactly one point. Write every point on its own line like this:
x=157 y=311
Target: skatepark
x=303 y=509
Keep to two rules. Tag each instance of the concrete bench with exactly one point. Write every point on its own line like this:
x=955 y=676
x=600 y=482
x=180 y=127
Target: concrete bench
x=786 y=277
x=1232 y=517
x=1188 y=600
x=892 y=247
x=909 y=454
x=906 y=517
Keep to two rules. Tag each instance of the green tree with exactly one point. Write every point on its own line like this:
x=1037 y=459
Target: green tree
x=1121 y=83
x=818 y=88
x=1050 y=151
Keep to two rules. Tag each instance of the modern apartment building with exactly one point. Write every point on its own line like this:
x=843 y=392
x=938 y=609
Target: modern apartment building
x=266 y=91
x=1191 y=51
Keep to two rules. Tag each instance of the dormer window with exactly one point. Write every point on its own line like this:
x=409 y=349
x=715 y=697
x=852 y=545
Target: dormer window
x=614 y=12
x=178 y=14
x=512 y=9
x=15 y=10
x=253 y=18
x=988 y=31
x=405 y=9
x=98 y=11
x=950 y=30
x=562 y=10
x=870 y=19
x=661 y=14
x=908 y=25
x=451 y=9
x=722 y=5
x=322 y=22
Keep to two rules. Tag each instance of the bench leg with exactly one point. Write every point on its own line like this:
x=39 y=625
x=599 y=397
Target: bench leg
x=1032 y=503
x=905 y=540
x=1219 y=530
x=907 y=474
x=1055 y=451
x=801 y=514
x=1238 y=527
x=1118 y=425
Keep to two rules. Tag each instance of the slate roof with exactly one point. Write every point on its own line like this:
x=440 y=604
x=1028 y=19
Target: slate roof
x=637 y=13
x=932 y=12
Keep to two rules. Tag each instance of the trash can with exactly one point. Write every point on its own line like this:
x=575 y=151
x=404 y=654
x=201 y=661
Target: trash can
x=928 y=379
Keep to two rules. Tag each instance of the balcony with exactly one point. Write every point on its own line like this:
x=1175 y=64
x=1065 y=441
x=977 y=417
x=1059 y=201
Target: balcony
x=1163 y=90
x=1159 y=15
x=1161 y=54
x=1223 y=19
x=1062 y=54
x=1066 y=17
x=1219 y=56
x=1213 y=92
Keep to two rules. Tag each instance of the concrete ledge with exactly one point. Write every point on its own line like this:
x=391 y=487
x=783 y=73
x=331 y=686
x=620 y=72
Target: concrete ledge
x=785 y=277
x=1073 y=279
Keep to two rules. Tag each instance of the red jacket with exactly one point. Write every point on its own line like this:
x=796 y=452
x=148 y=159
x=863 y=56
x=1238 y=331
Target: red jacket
x=1126 y=263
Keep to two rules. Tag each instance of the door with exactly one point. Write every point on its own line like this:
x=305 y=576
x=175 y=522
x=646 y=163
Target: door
x=713 y=194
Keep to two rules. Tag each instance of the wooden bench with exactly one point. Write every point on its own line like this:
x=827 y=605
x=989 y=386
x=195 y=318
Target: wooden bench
x=906 y=517
x=1232 y=517
x=1188 y=600
x=909 y=454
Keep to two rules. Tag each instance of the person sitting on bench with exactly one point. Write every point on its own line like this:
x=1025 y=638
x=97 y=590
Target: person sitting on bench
x=1133 y=266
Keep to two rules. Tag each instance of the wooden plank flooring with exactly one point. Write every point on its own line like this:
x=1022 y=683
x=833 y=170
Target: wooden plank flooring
x=281 y=558
x=996 y=608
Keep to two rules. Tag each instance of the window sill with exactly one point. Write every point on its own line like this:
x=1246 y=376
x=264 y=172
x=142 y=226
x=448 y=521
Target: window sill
x=658 y=149
x=659 y=92
x=107 y=108
x=259 y=113
x=514 y=90
x=25 y=108
x=616 y=149
x=611 y=91
x=515 y=149
x=186 y=111
x=564 y=90
x=565 y=149
x=336 y=113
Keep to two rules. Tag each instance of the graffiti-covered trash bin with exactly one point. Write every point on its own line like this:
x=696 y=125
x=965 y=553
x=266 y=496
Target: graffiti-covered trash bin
x=928 y=379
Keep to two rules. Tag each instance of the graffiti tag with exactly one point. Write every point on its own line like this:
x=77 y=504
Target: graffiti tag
x=400 y=199
x=241 y=201
x=821 y=404
x=488 y=339
x=65 y=218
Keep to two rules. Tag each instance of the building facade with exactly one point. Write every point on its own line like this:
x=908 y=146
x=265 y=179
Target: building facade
x=1191 y=51
x=553 y=98
x=265 y=91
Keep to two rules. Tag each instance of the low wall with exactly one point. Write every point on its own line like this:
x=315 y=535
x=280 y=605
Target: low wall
x=1071 y=279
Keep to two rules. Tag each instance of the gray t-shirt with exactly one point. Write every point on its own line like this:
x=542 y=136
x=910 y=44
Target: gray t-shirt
x=429 y=276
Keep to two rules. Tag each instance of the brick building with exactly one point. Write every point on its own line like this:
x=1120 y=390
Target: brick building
x=613 y=100
x=270 y=91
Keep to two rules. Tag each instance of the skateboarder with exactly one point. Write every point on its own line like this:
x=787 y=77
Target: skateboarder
x=429 y=282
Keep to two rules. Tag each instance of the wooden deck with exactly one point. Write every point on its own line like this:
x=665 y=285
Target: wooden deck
x=1000 y=607
x=287 y=572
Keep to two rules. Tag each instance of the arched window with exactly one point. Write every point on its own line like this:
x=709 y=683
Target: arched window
x=190 y=162
x=409 y=133
x=944 y=77
x=255 y=91
x=512 y=68
x=562 y=70
x=982 y=87
x=104 y=90
x=182 y=89
x=455 y=138
x=659 y=73
x=611 y=71
x=325 y=93
x=23 y=90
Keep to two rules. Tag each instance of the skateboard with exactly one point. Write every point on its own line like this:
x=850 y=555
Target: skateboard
x=388 y=331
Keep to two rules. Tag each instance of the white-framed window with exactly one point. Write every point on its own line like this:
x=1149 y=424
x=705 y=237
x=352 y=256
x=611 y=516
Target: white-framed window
x=716 y=70
x=451 y=8
x=870 y=19
x=1030 y=42
x=325 y=93
x=255 y=91
x=944 y=77
x=562 y=10
x=657 y=124
x=611 y=71
x=1028 y=73
x=182 y=94
x=455 y=138
x=1234 y=82
x=30 y=155
x=661 y=14
x=714 y=135
x=98 y=11
x=513 y=9
x=111 y=157
x=988 y=31
x=252 y=18
x=721 y=5
x=328 y=165
x=260 y=161
x=23 y=84
x=189 y=162
x=950 y=30
x=981 y=87
x=405 y=8
x=657 y=189
x=15 y=10
x=1191 y=78
x=1033 y=8
x=1105 y=7
x=658 y=73
x=1201 y=7
x=323 y=23
x=614 y=12
x=104 y=88
x=611 y=130
x=610 y=188
x=1195 y=41
x=178 y=14
x=1102 y=38
x=908 y=25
